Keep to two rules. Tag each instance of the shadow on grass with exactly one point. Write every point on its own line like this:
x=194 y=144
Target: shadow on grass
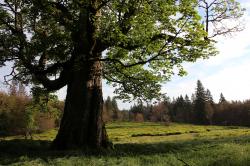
x=13 y=150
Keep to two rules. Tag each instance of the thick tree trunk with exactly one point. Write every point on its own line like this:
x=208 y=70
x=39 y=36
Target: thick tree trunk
x=82 y=125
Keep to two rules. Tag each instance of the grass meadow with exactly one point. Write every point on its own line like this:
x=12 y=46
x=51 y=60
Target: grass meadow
x=137 y=144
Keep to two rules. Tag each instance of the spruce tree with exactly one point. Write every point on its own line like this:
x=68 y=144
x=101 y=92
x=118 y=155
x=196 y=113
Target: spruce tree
x=114 y=109
x=108 y=107
x=192 y=98
x=188 y=109
x=222 y=99
x=199 y=104
x=187 y=100
x=209 y=97
x=179 y=109
x=209 y=107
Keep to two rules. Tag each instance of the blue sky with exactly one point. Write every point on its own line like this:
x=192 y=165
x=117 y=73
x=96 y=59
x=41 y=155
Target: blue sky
x=228 y=72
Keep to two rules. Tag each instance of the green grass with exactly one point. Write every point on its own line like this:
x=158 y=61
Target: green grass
x=140 y=144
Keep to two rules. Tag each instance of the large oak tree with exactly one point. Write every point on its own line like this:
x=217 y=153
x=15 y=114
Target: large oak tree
x=134 y=45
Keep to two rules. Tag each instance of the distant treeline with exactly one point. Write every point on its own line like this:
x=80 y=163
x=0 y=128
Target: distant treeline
x=25 y=114
x=199 y=109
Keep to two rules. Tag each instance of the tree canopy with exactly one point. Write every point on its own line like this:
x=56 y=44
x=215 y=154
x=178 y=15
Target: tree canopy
x=143 y=41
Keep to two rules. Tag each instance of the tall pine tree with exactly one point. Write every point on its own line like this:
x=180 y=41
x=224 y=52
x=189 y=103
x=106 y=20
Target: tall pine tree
x=209 y=97
x=209 y=107
x=199 y=104
x=222 y=99
x=114 y=109
x=188 y=109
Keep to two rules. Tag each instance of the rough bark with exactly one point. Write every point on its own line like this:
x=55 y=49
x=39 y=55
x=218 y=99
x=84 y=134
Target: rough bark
x=82 y=125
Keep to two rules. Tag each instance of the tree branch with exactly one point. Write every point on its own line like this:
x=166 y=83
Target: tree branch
x=56 y=84
x=103 y=3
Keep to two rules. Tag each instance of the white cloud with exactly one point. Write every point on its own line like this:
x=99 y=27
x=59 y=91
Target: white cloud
x=245 y=4
x=234 y=82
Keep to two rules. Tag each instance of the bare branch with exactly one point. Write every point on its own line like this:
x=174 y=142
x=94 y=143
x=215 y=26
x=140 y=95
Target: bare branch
x=12 y=73
x=8 y=59
x=103 y=3
x=10 y=7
